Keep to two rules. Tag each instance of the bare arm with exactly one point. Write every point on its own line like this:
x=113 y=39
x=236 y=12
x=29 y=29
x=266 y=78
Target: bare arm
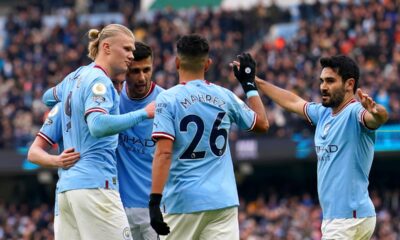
x=161 y=164
x=376 y=114
x=257 y=106
x=286 y=99
x=38 y=154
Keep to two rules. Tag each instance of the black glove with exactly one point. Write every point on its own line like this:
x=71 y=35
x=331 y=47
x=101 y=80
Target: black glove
x=156 y=218
x=246 y=73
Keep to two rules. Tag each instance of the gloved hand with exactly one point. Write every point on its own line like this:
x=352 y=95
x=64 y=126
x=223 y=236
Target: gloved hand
x=246 y=72
x=156 y=218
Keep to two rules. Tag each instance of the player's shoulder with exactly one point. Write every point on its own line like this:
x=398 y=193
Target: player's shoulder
x=54 y=115
x=55 y=111
x=158 y=88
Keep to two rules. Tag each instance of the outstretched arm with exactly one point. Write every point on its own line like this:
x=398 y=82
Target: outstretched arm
x=286 y=99
x=102 y=125
x=376 y=114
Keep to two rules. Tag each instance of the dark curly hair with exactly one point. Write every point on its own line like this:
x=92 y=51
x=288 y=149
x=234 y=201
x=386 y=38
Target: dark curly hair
x=344 y=67
x=192 y=51
x=142 y=51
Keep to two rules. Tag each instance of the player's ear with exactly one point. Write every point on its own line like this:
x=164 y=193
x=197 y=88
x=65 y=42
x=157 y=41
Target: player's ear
x=106 y=47
x=349 y=84
x=177 y=63
x=208 y=64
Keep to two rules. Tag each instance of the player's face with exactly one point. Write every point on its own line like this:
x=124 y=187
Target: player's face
x=138 y=78
x=118 y=82
x=121 y=52
x=332 y=88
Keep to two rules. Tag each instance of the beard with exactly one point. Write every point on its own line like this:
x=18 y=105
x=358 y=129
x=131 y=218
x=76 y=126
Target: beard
x=335 y=98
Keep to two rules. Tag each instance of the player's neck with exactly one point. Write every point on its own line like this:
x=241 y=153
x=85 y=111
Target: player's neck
x=105 y=67
x=347 y=98
x=185 y=76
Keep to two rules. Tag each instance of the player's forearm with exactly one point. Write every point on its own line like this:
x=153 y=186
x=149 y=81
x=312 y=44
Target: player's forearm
x=102 y=125
x=48 y=98
x=41 y=157
x=286 y=99
x=376 y=120
x=257 y=106
x=160 y=170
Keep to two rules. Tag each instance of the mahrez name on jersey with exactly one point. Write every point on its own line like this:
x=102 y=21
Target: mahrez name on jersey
x=199 y=98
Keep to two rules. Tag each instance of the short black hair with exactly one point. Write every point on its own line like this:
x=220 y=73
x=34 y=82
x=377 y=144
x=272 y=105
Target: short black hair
x=344 y=67
x=142 y=51
x=192 y=50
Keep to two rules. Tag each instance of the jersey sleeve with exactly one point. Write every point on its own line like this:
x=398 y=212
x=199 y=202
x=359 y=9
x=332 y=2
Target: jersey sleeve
x=312 y=112
x=100 y=96
x=163 y=124
x=51 y=130
x=360 y=112
x=241 y=114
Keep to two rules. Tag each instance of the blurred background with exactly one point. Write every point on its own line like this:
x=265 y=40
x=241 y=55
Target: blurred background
x=42 y=41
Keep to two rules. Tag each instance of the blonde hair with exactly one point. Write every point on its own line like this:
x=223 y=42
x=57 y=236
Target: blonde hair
x=96 y=36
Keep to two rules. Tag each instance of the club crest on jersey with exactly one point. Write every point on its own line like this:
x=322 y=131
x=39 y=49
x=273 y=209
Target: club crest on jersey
x=99 y=89
x=326 y=129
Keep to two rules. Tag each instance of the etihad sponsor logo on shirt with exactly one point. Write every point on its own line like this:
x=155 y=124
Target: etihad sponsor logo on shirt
x=136 y=144
x=326 y=149
x=324 y=152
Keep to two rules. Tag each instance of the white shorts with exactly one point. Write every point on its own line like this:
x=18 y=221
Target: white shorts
x=92 y=214
x=139 y=222
x=350 y=228
x=221 y=224
x=56 y=225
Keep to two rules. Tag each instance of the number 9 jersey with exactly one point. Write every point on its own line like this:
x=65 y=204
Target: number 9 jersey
x=197 y=116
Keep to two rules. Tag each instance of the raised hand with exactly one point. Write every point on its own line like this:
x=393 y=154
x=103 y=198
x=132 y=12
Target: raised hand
x=367 y=102
x=245 y=71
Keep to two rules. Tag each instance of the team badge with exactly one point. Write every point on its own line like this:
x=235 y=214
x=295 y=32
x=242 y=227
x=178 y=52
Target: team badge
x=99 y=89
x=326 y=129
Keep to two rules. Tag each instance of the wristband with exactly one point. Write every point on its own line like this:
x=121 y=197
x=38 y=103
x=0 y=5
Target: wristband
x=252 y=93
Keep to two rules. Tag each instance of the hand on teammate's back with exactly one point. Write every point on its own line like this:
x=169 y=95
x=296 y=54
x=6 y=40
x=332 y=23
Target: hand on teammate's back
x=245 y=71
x=150 y=108
x=156 y=218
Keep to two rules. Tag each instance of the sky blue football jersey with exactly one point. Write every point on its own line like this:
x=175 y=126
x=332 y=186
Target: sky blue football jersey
x=345 y=150
x=197 y=116
x=88 y=90
x=51 y=132
x=135 y=153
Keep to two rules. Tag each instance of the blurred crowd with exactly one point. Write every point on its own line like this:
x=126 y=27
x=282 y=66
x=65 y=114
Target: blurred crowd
x=270 y=217
x=36 y=56
x=275 y=217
